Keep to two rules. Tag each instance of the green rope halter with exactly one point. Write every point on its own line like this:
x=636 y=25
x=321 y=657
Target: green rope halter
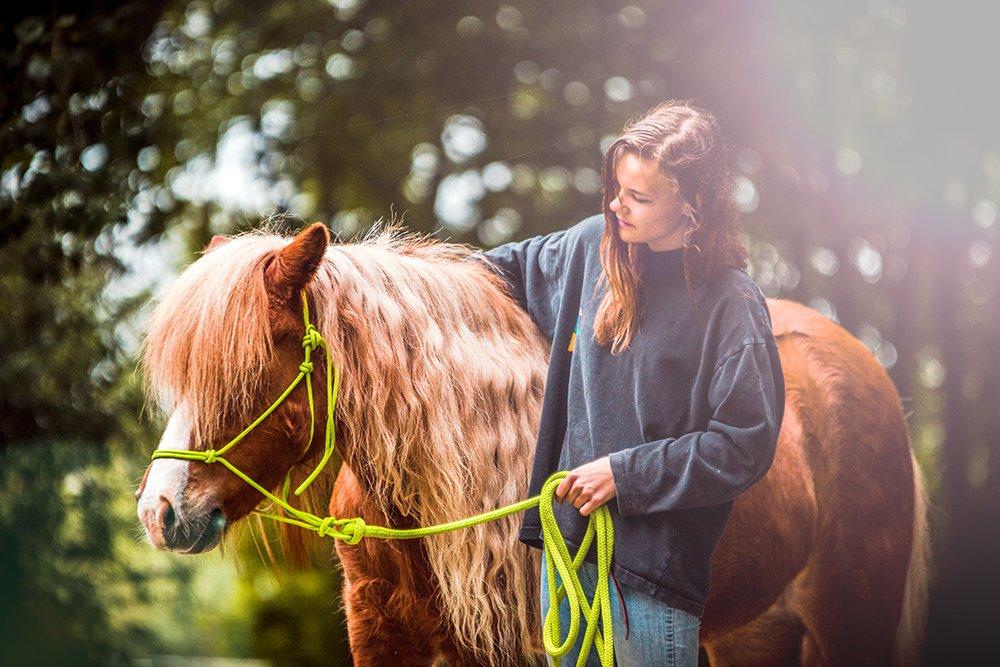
x=597 y=612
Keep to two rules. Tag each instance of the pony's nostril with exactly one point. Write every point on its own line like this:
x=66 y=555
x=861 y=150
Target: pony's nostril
x=165 y=515
x=218 y=521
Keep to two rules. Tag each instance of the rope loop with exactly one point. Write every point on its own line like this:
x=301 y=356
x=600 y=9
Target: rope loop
x=306 y=367
x=312 y=338
x=352 y=530
x=324 y=527
x=210 y=456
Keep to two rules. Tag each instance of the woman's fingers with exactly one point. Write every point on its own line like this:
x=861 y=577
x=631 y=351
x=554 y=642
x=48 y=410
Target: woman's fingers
x=565 y=486
x=584 y=500
x=587 y=487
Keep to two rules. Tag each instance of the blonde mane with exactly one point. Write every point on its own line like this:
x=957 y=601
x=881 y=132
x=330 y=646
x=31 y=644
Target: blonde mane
x=209 y=340
x=442 y=379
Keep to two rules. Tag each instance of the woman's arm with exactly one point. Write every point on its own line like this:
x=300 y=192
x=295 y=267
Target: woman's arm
x=532 y=269
x=702 y=468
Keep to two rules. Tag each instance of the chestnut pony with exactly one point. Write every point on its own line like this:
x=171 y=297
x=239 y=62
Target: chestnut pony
x=824 y=561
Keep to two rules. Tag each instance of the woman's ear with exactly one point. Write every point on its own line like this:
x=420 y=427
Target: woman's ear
x=293 y=266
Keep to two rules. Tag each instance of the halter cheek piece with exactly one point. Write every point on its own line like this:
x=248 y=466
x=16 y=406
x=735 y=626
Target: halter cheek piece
x=600 y=529
x=346 y=529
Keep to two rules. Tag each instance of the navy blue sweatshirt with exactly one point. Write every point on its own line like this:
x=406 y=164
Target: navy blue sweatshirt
x=689 y=417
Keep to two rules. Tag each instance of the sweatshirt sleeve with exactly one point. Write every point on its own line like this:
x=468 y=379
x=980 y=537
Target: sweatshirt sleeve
x=711 y=467
x=532 y=269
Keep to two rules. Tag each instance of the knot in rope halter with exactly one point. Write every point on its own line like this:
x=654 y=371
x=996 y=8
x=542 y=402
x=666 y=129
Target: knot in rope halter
x=312 y=338
x=325 y=525
x=600 y=529
x=352 y=530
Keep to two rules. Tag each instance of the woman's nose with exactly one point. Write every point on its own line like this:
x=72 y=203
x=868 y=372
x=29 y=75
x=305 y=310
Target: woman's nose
x=616 y=205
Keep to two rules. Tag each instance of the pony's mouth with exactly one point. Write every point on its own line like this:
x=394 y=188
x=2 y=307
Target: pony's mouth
x=211 y=534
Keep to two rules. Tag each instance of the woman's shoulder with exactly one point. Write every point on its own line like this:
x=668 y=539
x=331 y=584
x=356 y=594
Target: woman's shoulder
x=734 y=283
x=582 y=233
x=588 y=230
x=582 y=236
x=739 y=308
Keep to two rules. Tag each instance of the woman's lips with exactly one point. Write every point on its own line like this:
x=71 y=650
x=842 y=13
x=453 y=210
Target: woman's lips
x=622 y=223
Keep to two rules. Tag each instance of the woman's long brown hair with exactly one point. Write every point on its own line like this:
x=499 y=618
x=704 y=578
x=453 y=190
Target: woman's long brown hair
x=688 y=146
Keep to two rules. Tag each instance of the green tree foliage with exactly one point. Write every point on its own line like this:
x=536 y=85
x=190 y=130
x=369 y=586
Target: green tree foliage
x=359 y=108
x=77 y=585
x=71 y=125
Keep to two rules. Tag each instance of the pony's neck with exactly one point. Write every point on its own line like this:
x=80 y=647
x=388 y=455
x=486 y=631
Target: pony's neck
x=417 y=334
x=384 y=412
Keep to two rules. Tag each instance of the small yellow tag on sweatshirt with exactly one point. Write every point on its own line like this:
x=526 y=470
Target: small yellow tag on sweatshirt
x=576 y=330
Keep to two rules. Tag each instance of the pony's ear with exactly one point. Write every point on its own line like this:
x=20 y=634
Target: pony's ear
x=293 y=266
x=216 y=241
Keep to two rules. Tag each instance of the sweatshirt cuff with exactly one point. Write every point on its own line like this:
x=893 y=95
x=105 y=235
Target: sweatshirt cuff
x=623 y=492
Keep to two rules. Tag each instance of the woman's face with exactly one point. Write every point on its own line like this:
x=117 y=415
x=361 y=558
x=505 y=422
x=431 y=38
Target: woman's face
x=647 y=208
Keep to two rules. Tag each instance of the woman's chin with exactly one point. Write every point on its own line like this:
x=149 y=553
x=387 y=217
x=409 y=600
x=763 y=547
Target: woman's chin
x=628 y=233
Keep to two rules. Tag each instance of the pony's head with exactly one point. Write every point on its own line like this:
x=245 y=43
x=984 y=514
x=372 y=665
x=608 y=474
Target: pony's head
x=224 y=342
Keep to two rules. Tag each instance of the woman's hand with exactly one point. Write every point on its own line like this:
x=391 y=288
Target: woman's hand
x=588 y=487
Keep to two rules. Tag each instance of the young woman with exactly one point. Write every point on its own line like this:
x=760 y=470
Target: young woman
x=664 y=391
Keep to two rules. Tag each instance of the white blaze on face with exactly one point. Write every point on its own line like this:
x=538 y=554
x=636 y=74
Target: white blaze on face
x=168 y=477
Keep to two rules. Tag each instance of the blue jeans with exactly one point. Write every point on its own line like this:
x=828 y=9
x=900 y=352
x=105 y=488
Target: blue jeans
x=659 y=634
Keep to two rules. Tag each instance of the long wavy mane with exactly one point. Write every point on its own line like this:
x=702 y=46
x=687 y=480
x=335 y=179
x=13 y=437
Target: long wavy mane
x=208 y=340
x=442 y=379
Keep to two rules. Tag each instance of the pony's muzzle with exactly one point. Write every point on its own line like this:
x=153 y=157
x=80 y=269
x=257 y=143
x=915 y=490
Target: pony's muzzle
x=189 y=532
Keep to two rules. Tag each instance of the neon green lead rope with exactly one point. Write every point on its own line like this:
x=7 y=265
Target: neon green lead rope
x=596 y=612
